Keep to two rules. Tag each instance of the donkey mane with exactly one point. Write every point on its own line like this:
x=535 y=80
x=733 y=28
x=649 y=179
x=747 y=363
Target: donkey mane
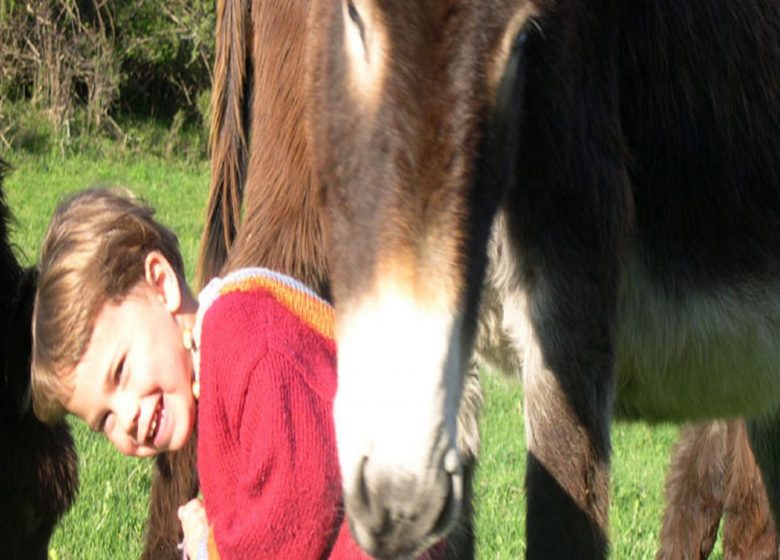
x=281 y=208
x=227 y=139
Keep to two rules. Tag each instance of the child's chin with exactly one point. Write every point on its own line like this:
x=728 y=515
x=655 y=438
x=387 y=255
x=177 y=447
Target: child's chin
x=178 y=441
x=173 y=445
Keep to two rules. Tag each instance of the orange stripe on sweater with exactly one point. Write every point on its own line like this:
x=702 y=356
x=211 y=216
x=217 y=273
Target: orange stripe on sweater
x=314 y=312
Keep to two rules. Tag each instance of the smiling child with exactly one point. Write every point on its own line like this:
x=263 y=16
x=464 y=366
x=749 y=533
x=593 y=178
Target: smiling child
x=121 y=342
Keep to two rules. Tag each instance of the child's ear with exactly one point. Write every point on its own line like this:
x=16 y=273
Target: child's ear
x=163 y=279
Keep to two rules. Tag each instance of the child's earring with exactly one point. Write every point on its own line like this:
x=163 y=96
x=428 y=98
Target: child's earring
x=187 y=339
x=189 y=344
x=196 y=389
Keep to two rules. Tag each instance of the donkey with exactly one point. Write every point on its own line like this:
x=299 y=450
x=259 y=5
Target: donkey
x=633 y=152
x=38 y=466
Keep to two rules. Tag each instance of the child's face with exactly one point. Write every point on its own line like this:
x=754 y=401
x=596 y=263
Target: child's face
x=134 y=382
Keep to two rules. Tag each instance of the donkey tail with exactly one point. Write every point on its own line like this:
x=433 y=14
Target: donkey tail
x=228 y=139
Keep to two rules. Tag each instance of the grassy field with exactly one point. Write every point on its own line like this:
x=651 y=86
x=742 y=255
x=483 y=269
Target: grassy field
x=108 y=519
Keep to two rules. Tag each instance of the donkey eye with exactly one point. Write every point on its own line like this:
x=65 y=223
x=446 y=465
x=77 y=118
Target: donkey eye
x=355 y=17
x=353 y=13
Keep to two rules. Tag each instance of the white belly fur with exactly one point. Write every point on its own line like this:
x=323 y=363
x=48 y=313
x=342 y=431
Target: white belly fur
x=705 y=354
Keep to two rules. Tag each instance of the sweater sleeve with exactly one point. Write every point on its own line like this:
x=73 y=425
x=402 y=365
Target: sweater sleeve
x=287 y=497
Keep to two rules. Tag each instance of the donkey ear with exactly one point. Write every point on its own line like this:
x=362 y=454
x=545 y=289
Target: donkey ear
x=18 y=343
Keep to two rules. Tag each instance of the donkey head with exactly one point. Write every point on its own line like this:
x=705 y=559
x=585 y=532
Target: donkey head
x=409 y=147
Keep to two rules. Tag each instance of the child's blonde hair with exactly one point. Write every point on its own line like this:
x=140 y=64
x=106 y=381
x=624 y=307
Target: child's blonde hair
x=93 y=252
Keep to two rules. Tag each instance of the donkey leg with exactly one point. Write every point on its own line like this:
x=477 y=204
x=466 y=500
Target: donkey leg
x=175 y=482
x=764 y=436
x=695 y=487
x=568 y=383
x=567 y=475
x=749 y=530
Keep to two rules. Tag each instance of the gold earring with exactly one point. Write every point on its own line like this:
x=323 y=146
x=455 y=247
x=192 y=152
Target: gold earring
x=189 y=344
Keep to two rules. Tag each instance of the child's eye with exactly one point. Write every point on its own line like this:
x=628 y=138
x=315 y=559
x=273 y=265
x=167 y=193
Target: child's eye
x=119 y=370
x=101 y=427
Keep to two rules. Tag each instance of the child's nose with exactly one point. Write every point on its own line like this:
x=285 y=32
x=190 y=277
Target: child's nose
x=127 y=414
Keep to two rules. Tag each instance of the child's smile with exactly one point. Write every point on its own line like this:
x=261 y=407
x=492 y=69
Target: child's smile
x=156 y=422
x=134 y=382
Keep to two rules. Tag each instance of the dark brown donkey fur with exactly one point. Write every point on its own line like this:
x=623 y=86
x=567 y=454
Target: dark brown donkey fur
x=38 y=466
x=633 y=149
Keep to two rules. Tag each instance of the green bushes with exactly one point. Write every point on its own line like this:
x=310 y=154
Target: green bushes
x=85 y=66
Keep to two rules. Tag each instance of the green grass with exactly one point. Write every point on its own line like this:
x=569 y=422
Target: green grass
x=640 y=457
x=499 y=482
x=107 y=520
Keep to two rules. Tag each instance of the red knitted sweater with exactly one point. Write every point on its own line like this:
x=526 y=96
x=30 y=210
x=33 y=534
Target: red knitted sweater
x=266 y=443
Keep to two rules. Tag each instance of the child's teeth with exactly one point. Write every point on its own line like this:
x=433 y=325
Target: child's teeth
x=153 y=426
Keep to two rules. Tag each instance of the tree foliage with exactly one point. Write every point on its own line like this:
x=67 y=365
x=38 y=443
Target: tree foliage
x=94 y=59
